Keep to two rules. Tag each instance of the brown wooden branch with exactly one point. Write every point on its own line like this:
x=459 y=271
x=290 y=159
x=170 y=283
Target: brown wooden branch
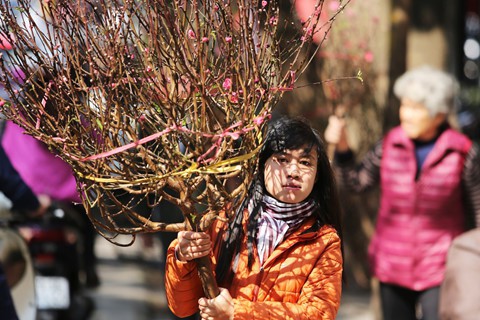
x=151 y=100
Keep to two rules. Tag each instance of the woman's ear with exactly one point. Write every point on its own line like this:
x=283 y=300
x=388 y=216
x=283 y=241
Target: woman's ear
x=439 y=119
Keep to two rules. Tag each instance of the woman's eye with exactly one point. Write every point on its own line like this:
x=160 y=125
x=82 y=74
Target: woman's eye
x=282 y=160
x=305 y=163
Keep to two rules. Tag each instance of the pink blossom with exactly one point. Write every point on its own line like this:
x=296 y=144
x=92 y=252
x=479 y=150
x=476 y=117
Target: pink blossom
x=191 y=34
x=264 y=3
x=368 y=56
x=333 y=5
x=227 y=84
x=234 y=98
x=258 y=120
x=228 y=39
x=6 y=42
x=204 y=39
x=233 y=135
x=308 y=34
x=2 y=102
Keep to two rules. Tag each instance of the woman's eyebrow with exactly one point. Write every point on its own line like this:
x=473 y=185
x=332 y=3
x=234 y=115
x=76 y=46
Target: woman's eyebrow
x=306 y=154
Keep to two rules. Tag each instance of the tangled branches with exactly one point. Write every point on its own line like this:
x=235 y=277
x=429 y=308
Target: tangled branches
x=150 y=100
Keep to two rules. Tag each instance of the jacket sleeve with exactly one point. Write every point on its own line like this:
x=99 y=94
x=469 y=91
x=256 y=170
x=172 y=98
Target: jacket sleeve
x=360 y=177
x=182 y=284
x=319 y=297
x=471 y=179
x=14 y=188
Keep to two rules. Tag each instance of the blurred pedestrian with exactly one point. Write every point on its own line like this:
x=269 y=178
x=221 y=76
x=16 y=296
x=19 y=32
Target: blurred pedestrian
x=46 y=173
x=280 y=256
x=429 y=178
x=460 y=291
x=25 y=201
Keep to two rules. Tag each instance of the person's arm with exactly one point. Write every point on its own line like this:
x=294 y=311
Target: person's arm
x=319 y=296
x=471 y=179
x=182 y=283
x=362 y=176
x=16 y=190
x=355 y=177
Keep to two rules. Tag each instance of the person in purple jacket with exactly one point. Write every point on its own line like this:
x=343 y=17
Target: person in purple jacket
x=25 y=201
x=429 y=176
x=47 y=173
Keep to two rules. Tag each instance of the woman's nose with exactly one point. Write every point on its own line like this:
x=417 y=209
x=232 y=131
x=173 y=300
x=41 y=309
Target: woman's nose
x=293 y=170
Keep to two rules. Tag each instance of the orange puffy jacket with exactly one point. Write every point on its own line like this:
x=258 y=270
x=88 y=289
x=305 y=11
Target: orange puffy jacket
x=302 y=279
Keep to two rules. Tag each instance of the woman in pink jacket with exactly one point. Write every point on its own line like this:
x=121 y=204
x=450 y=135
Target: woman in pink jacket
x=426 y=171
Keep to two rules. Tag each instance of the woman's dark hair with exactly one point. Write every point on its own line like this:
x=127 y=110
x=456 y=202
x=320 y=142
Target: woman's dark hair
x=283 y=134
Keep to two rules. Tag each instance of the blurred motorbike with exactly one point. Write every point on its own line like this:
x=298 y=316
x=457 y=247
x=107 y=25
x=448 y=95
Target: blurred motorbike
x=54 y=242
x=18 y=267
x=45 y=251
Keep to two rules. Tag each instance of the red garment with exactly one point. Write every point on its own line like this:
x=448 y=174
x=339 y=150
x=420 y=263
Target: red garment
x=302 y=279
x=418 y=218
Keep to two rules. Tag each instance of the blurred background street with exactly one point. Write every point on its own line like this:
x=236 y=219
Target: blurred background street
x=132 y=285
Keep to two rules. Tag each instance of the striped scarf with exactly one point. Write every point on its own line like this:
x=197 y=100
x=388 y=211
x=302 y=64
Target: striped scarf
x=277 y=221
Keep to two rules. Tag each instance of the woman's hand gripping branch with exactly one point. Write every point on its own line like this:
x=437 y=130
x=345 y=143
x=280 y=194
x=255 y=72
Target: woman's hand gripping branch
x=219 y=308
x=193 y=245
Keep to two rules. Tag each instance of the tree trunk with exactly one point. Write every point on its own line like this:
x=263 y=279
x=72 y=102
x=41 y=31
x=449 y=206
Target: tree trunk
x=204 y=266
x=205 y=272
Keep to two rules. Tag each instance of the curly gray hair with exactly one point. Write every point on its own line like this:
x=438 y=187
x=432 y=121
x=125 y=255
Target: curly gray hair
x=433 y=88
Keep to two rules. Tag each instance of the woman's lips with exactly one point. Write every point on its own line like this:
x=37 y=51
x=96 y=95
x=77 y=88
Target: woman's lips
x=292 y=186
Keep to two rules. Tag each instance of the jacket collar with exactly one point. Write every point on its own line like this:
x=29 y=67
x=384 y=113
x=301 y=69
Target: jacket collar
x=448 y=140
x=299 y=235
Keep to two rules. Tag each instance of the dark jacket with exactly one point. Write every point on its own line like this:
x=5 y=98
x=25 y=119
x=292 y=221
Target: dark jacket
x=12 y=185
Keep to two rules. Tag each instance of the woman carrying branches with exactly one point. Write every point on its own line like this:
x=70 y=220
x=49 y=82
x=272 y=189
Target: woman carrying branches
x=280 y=257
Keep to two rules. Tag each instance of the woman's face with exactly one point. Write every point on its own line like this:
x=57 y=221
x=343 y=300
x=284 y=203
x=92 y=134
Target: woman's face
x=416 y=121
x=290 y=175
